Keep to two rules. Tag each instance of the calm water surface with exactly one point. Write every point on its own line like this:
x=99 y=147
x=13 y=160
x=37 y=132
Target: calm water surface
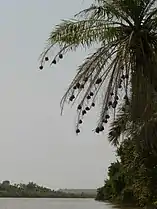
x=52 y=204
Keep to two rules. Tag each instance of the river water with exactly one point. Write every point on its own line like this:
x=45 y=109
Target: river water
x=10 y=203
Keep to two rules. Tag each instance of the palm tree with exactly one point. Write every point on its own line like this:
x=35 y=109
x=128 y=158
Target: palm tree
x=123 y=66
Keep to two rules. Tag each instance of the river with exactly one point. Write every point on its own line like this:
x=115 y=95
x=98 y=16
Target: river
x=10 y=203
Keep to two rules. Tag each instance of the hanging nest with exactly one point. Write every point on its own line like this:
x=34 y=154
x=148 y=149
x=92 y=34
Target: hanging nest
x=127 y=52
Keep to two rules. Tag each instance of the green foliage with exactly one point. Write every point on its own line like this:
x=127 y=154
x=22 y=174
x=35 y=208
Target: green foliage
x=32 y=190
x=124 y=62
x=100 y=194
x=133 y=178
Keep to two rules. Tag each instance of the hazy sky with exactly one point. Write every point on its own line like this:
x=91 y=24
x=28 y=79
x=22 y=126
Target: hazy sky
x=37 y=144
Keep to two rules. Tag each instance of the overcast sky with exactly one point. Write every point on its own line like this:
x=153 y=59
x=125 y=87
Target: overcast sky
x=36 y=143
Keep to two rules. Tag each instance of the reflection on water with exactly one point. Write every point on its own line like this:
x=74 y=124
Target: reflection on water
x=49 y=204
x=10 y=203
x=123 y=207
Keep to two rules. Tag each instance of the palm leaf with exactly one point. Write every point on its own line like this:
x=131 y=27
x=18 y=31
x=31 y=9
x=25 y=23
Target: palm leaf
x=121 y=126
x=125 y=32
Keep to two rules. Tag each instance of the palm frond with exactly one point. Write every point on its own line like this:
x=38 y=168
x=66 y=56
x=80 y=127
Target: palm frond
x=121 y=126
x=124 y=63
x=71 y=34
x=145 y=133
x=108 y=10
x=148 y=5
x=150 y=16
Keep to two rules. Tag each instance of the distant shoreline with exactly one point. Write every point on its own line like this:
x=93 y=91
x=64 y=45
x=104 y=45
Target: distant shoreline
x=13 y=197
x=32 y=190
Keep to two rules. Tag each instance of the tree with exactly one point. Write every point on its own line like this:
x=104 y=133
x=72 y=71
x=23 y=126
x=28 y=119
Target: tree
x=137 y=161
x=100 y=194
x=133 y=178
x=31 y=185
x=6 y=183
x=124 y=63
x=144 y=134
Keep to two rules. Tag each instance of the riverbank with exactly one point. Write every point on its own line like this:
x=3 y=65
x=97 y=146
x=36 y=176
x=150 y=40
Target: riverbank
x=128 y=205
x=32 y=190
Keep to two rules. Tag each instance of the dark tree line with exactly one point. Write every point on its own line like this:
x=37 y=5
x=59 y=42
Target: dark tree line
x=32 y=190
x=133 y=178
